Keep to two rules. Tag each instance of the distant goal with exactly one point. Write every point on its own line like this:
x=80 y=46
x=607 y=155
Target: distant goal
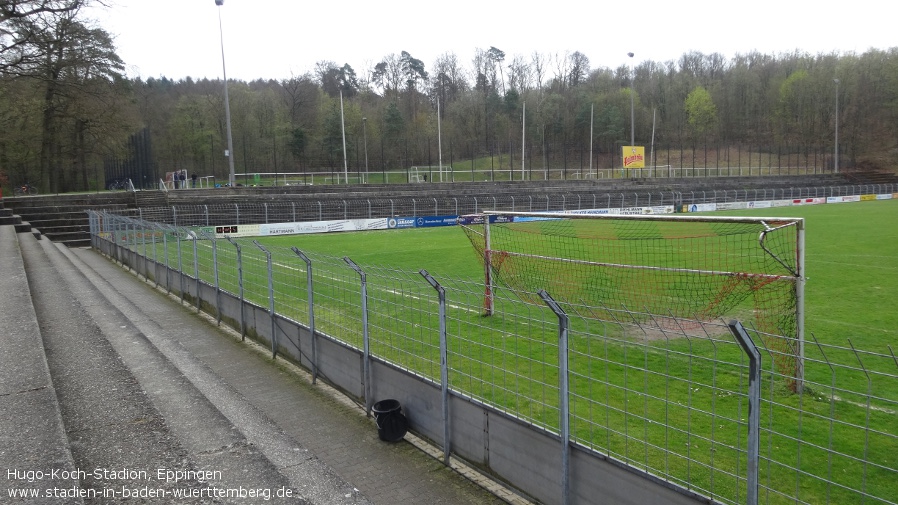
x=668 y=267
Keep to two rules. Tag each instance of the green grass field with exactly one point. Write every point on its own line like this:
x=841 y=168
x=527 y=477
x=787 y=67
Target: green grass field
x=669 y=405
x=851 y=262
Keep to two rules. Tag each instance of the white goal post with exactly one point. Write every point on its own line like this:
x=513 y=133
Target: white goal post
x=679 y=266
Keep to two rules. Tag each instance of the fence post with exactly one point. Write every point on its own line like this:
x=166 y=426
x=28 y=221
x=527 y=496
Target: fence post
x=131 y=240
x=155 y=255
x=754 y=409
x=444 y=364
x=167 y=267
x=311 y=297
x=240 y=293
x=211 y=238
x=180 y=267
x=143 y=237
x=118 y=241
x=196 y=270
x=366 y=358
x=563 y=395
x=274 y=336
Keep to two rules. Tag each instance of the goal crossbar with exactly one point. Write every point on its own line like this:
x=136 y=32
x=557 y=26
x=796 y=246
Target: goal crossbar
x=689 y=266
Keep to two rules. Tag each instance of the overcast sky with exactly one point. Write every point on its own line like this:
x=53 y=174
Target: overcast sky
x=279 y=38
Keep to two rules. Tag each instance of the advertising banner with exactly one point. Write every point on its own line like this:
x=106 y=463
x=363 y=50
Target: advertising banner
x=868 y=198
x=402 y=222
x=235 y=231
x=356 y=225
x=598 y=212
x=763 y=204
x=633 y=156
x=270 y=230
x=700 y=207
x=843 y=199
x=312 y=227
x=808 y=201
x=470 y=219
x=431 y=221
x=887 y=196
x=732 y=206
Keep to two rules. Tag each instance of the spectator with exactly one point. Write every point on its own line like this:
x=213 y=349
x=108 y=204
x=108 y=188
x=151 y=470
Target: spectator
x=193 y=178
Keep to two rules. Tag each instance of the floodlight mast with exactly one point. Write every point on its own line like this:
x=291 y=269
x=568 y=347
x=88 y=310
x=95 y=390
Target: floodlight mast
x=632 y=105
x=836 y=157
x=230 y=152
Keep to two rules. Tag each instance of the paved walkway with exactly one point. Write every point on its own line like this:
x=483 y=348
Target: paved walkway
x=215 y=402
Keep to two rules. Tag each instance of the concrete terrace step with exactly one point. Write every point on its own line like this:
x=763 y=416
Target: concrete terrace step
x=68 y=238
x=10 y=219
x=131 y=397
x=32 y=435
x=22 y=227
x=105 y=372
x=322 y=420
x=61 y=225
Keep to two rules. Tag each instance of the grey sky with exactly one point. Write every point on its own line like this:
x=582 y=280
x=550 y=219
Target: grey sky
x=277 y=38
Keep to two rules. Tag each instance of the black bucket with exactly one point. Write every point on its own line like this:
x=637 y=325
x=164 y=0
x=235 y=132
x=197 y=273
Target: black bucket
x=391 y=424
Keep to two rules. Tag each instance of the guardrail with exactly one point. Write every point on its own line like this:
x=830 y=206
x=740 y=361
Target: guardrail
x=368 y=208
x=566 y=402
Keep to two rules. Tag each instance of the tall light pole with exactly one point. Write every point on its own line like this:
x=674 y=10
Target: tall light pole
x=632 y=105
x=230 y=152
x=836 y=161
x=365 y=135
x=632 y=108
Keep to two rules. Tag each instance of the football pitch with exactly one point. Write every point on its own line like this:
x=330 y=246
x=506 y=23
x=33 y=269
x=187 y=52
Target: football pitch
x=835 y=443
x=851 y=262
x=851 y=294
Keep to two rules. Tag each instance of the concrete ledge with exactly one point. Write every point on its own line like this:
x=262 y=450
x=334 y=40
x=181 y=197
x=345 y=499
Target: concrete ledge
x=32 y=436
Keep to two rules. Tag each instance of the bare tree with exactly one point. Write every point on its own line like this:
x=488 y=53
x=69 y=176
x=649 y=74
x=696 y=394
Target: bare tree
x=520 y=74
x=388 y=75
x=449 y=81
x=298 y=92
x=23 y=23
x=578 y=68
x=538 y=67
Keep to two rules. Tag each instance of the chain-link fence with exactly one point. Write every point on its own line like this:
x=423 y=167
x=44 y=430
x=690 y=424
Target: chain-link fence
x=237 y=213
x=685 y=404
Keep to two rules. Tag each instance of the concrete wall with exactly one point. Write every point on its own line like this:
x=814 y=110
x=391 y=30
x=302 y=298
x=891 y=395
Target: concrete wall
x=526 y=457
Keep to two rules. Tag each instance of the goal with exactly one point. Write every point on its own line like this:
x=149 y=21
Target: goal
x=668 y=268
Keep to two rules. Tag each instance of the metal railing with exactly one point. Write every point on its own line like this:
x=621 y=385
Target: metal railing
x=368 y=208
x=695 y=405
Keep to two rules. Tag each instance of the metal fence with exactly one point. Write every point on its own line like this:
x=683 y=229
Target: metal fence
x=682 y=403
x=356 y=208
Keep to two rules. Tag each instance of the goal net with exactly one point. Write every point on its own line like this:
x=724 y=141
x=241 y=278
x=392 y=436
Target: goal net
x=667 y=268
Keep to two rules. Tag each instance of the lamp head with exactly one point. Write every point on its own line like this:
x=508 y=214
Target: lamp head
x=628 y=54
x=219 y=2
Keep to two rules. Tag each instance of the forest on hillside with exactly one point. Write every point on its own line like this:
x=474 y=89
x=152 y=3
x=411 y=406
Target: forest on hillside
x=68 y=111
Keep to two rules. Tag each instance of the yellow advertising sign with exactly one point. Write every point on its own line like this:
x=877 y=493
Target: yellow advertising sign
x=868 y=198
x=633 y=156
